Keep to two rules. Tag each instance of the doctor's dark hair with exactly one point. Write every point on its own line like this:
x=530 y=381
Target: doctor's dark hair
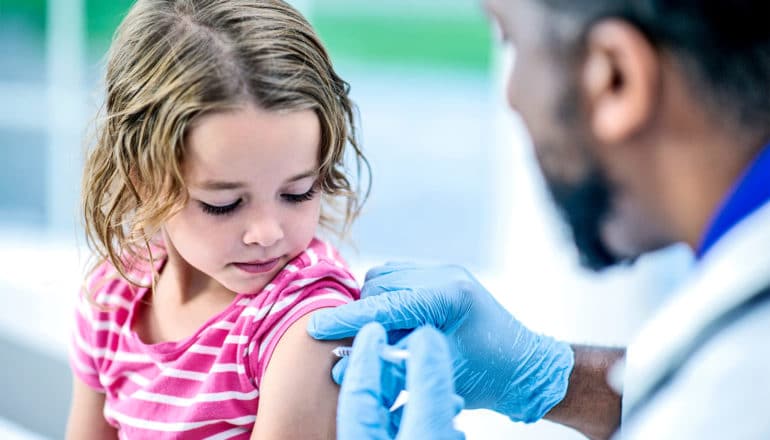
x=173 y=61
x=724 y=46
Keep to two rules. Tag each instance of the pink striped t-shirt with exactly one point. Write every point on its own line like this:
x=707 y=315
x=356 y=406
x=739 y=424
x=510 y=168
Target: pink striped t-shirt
x=205 y=386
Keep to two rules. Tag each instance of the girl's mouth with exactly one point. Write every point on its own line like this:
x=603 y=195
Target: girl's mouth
x=257 y=266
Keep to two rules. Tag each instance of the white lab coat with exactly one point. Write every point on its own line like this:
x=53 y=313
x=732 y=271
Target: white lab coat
x=722 y=390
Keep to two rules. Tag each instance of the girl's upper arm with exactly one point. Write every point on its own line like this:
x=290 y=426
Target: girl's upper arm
x=86 y=420
x=297 y=396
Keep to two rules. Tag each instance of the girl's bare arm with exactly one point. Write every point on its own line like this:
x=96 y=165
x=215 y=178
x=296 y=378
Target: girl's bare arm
x=86 y=421
x=297 y=396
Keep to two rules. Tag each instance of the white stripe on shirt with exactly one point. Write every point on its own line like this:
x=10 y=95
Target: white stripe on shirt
x=204 y=349
x=230 y=433
x=313 y=257
x=189 y=401
x=326 y=296
x=173 y=426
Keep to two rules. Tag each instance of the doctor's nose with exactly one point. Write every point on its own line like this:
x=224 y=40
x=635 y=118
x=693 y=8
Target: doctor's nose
x=263 y=231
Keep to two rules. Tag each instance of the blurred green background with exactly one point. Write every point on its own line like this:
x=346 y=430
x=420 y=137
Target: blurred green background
x=457 y=38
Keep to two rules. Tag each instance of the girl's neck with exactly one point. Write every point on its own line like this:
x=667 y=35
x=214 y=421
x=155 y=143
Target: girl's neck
x=184 y=299
x=183 y=283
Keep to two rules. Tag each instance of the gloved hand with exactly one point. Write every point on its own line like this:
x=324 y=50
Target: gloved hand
x=372 y=384
x=498 y=363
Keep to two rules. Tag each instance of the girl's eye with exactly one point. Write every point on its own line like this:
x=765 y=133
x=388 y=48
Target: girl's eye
x=299 y=198
x=219 y=210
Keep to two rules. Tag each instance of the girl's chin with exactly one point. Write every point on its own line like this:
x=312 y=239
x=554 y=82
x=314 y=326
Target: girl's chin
x=246 y=288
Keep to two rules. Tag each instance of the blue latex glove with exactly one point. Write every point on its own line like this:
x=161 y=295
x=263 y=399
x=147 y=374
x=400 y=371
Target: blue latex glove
x=498 y=363
x=371 y=385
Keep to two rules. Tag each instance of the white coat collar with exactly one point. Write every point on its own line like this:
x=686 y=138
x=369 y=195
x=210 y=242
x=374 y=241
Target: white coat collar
x=737 y=267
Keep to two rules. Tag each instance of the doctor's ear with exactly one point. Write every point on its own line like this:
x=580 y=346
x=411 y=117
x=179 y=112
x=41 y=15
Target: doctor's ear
x=619 y=80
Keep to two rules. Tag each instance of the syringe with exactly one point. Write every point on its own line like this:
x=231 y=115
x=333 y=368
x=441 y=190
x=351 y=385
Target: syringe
x=388 y=353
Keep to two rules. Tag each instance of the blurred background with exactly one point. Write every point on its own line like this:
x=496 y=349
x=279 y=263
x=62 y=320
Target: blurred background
x=454 y=181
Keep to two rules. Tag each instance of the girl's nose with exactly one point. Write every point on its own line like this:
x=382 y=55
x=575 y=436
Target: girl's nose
x=263 y=231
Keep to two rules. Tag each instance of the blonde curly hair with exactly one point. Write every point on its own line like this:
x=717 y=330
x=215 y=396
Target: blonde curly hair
x=172 y=61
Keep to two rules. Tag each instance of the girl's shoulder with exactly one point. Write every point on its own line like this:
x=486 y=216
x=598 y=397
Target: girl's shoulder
x=319 y=261
x=317 y=278
x=317 y=273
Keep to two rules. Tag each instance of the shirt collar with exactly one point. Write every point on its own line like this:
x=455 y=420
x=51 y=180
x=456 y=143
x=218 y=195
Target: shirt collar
x=750 y=192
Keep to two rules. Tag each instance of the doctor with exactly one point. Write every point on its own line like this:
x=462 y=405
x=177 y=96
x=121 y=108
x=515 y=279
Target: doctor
x=651 y=123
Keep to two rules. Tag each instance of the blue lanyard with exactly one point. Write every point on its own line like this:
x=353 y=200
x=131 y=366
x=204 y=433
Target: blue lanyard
x=751 y=192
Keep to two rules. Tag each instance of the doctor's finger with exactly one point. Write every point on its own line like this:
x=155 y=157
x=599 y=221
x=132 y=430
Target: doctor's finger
x=433 y=403
x=361 y=412
x=395 y=311
x=338 y=370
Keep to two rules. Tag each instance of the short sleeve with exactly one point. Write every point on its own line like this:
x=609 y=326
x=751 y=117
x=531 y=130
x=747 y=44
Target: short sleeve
x=320 y=299
x=82 y=350
x=335 y=288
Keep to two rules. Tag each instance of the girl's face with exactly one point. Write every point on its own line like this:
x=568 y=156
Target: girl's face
x=254 y=202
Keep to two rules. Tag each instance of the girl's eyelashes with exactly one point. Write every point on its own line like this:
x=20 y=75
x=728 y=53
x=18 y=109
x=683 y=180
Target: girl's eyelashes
x=228 y=209
x=299 y=198
x=219 y=210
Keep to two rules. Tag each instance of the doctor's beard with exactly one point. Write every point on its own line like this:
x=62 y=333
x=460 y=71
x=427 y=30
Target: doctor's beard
x=584 y=205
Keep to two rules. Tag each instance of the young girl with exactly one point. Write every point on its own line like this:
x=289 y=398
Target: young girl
x=225 y=127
